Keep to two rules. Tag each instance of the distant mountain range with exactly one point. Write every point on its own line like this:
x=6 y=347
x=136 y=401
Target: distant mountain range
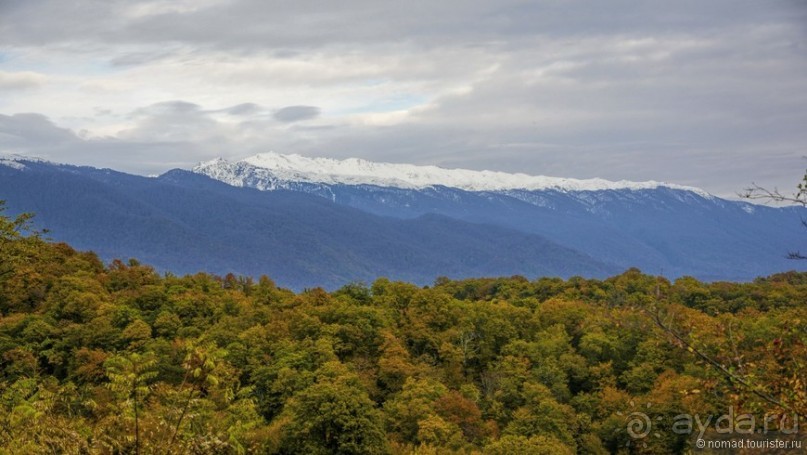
x=320 y=222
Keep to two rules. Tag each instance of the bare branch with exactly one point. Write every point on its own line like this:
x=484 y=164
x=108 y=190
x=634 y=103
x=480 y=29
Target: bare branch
x=732 y=377
x=756 y=192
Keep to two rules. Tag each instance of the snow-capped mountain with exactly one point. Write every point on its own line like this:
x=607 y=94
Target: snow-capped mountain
x=310 y=221
x=659 y=227
x=184 y=223
x=268 y=171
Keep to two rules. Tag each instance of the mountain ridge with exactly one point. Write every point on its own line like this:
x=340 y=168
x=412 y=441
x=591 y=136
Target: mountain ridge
x=663 y=228
x=355 y=171
x=185 y=223
x=239 y=228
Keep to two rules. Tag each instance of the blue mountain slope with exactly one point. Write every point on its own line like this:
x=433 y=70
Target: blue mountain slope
x=662 y=230
x=185 y=223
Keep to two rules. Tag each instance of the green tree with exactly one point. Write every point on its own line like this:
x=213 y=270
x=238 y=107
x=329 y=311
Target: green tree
x=129 y=376
x=12 y=231
x=334 y=416
x=200 y=366
x=521 y=445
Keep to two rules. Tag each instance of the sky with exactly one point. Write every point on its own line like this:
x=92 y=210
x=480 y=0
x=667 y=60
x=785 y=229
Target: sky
x=711 y=94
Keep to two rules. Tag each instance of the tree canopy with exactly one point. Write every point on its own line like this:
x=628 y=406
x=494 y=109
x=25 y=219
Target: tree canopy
x=115 y=358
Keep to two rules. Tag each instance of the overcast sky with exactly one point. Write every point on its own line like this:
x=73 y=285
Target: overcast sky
x=705 y=93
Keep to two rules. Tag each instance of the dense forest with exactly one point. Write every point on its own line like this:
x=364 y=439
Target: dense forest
x=116 y=358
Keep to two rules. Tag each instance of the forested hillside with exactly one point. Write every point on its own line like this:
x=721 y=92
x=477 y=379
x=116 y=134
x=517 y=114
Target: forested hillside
x=187 y=223
x=117 y=358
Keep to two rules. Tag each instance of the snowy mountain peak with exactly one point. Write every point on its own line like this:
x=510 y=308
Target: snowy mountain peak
x=279 y=168
x=16 y=161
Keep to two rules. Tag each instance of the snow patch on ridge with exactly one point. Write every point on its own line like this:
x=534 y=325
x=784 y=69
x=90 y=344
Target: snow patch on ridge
x=12 y=164
x=278 y=168
x=17 y=162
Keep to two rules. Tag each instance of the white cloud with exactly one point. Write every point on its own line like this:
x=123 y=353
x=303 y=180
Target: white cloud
x=21 y=80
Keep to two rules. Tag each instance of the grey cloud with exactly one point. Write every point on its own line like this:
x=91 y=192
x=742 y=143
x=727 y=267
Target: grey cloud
x=244 y=109
x=155 y=144
x=706 y=93
x=36 y=135
x=723 y=169
x=257 y=25
x=146 y=149
x=185 y=108
x=169 y=108
x=138 y=58
x=296 y=113
x=26 y=131
x=173 y=121
x=160 y=136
